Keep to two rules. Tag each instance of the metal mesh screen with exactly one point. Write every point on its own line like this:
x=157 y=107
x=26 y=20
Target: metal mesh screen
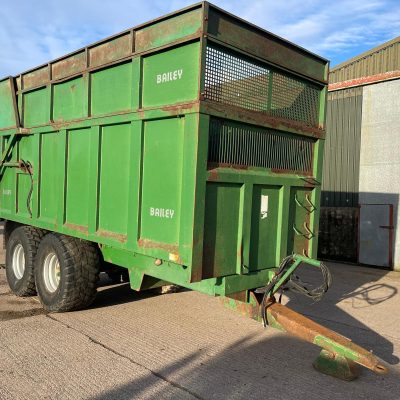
x=231 y=79
x=236 y=144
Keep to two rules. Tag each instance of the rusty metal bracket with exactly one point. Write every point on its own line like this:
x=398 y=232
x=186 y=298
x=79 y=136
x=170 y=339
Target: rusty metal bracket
x=312 y=205
x=24 y=166
x=310 y=234
x=311 y=208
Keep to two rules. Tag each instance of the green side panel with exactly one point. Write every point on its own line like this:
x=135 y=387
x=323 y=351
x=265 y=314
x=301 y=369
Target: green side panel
x=7 y=116
x=221 y=226
x=70 y=99
x=36 y=107
x=50 y=188
x=8 y=183
x=264 y=227
x=162 y=180
x=171 y=76
x=7 y=194
x=112 y=89
x=77 y=193
x=299 y=221
x=26 y=148
x=167 y=31
x=114 y=175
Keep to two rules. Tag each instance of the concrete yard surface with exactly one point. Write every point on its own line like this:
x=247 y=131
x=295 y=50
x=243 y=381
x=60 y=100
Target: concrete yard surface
x=186 y=345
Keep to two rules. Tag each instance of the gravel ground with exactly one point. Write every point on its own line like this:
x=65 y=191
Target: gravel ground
x=188 y=346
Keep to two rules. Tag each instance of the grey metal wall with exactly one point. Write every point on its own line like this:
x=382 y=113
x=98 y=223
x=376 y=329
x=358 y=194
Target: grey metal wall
x=380 y=152
x=384 y=58
x=342 y=148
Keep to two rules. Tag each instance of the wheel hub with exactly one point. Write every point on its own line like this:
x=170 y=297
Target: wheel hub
x=51 y=272
x=18 y=261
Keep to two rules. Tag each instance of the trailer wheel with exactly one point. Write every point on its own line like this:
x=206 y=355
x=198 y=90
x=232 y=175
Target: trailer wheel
x=21 y=249
x=66 y=272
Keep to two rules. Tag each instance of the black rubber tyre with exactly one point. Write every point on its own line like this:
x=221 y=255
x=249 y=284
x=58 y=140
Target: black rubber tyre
x=29 y=238
x=78 y=273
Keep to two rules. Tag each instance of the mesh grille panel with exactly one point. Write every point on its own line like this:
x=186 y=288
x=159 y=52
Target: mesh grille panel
x=233 y=80
x=238 y=144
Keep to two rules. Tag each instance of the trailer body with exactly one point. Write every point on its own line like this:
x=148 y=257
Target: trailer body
x=187 y=150
x=190 y=148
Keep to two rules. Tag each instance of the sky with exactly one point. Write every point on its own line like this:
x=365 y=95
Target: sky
x=33 y=32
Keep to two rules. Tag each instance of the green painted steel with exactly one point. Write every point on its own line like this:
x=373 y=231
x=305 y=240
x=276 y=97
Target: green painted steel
x=182 y=147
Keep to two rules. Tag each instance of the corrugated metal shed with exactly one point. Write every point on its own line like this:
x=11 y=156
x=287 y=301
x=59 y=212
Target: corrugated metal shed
x=381 y=59
x=342 y=148
x=341 y=172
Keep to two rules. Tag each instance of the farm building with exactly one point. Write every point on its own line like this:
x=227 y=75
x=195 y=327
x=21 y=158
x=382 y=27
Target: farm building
x=361 y=178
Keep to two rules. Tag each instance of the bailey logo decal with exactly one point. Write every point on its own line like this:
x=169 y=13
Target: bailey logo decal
x=169 y=76
x=162 y=212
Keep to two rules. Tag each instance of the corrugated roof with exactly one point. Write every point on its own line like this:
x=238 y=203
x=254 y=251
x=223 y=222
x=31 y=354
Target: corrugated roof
x=379 y=60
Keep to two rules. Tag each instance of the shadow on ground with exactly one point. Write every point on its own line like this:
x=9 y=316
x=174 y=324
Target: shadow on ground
x=360 y=290
x=277 y=367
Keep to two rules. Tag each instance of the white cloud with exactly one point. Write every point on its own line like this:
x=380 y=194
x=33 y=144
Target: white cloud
x=34 y=32
x=339 y=29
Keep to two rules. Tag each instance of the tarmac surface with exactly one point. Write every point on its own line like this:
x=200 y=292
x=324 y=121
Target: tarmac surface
x=187 y=345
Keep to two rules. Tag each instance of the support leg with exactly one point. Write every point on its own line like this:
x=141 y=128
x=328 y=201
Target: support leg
x=336 y=365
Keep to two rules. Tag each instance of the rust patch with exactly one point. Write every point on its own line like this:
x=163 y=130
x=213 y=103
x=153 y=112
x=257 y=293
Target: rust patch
x=289 y=171
x=179 y=108
x=239 y=296
x=79 y=228
x=151 y=244
x=365 y=80
x=212 y=168
x=213 y=165
x=212 y=175
x=112 y=235
x=61 y=123
x=112 y=50
x=169 y=30
x=260 y=118
x=69 y=66
x=36 y=78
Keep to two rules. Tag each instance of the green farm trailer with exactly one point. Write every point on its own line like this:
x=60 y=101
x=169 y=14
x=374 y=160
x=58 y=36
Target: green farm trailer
x=187 y=150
